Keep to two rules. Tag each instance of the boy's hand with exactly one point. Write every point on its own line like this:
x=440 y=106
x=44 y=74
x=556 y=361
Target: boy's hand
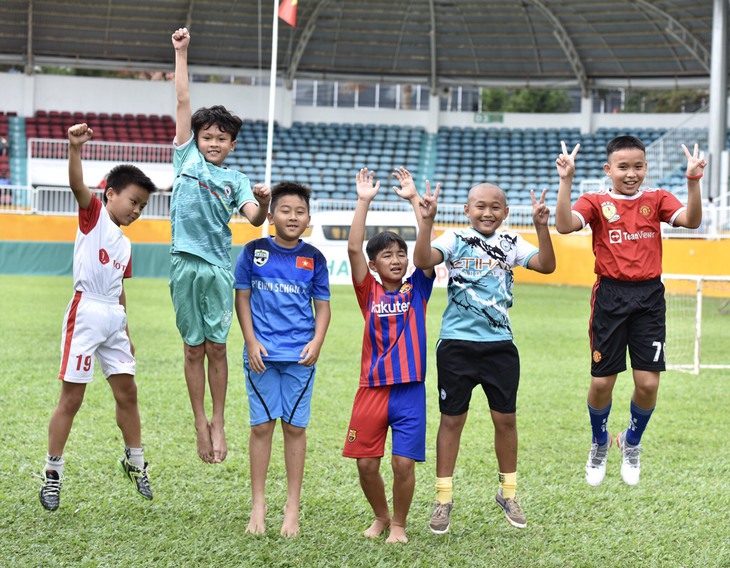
x=181 y=39
x=262 y=194
x=407 y=189
x=540 y=211
x=428 y=204
x=79 y=133
x=695 y=164
x=310 y=353
x=566 y=162
x=365 y=188
x=256 y=352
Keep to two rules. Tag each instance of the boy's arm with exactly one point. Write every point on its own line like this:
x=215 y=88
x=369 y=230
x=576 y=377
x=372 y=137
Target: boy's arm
x=77 y=135
x=425 y=256
x=407 y=191
x=322 y=316
x=366 y=192
x=180 y=41
x=254 y=349
x=544 y=260
x=565 y=221
x=691 y=218
x=256 y=212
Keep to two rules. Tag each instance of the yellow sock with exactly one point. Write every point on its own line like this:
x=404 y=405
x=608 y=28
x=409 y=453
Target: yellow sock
x=444 y=489
x=508 y=484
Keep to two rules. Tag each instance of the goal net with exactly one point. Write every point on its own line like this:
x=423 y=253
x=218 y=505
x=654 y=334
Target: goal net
x=698 y=315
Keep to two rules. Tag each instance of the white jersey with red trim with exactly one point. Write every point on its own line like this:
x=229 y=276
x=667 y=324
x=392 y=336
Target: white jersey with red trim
x=102 y=254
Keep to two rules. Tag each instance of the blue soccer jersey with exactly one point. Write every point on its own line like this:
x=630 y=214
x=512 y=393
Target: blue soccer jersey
x=283 y=283
x=480 y=282
x=204 y=196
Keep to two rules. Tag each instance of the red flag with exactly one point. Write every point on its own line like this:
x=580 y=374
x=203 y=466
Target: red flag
x=288 y=12
x=305 y=263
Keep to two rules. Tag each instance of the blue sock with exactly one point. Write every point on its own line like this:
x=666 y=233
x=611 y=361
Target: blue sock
x=599 y=419
x=637 y=425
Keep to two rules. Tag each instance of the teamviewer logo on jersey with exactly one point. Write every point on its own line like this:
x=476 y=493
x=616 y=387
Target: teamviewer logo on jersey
x=614 y=236
x=103 y=256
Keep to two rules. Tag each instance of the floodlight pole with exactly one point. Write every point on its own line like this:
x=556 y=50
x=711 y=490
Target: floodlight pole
x=272 y=104
x=718 y=96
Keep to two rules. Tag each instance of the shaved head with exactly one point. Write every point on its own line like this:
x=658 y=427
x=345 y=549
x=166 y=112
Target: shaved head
x=483 y=189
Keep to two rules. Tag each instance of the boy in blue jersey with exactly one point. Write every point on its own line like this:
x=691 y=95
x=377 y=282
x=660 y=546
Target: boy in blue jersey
x=277 y=281
x=475 y=344
x=205 y=195
x=393 y=364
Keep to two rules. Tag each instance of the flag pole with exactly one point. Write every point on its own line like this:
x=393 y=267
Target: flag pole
x=272 y=102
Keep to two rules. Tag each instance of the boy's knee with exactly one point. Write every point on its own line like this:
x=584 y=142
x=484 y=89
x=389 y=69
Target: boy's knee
x=403 y=467
x=453 y=422
x=215 y=350
x=194 y=353
x=368 y=466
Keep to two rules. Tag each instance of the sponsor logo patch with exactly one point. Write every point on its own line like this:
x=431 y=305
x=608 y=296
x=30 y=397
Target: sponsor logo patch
x=608 y=209
x=103 y=256
x=614 y=236
x=260 y=257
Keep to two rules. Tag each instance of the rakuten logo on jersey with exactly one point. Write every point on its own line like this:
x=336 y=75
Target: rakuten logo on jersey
x=617 y=236
x=385 y=309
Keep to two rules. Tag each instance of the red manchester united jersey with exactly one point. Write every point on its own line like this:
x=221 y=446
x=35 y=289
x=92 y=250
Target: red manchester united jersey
x=627 y=240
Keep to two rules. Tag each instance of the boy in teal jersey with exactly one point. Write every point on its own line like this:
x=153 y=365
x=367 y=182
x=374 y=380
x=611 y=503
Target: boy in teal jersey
x=475 y=345
x=205 y=195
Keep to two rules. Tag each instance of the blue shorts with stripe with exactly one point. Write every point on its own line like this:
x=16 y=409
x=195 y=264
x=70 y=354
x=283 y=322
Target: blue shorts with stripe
x=400 y=407
x=283 y=390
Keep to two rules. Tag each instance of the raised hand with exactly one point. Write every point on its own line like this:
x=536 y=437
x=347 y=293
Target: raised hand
x=407 y=189
x=262 y=194
x=79 y=133
x=566 y=162
x=695 y=164
x=181 y=38
x=428 y=204
x=365 y=188
x=540 y=211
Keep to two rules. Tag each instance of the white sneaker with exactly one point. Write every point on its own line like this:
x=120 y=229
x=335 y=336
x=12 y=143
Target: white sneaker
x=596 y=464
x=630 y=464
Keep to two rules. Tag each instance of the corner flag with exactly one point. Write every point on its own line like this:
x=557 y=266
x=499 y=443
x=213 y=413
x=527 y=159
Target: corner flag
x=288 y=12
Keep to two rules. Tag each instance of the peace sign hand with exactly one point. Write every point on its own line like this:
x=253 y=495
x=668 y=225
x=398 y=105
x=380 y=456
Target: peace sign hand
x=428 y=204
x=695 y=164
x=540 y=211
x=566 y=162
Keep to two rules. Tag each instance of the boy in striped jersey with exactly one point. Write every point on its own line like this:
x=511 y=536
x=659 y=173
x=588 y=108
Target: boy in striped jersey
x=393 y=365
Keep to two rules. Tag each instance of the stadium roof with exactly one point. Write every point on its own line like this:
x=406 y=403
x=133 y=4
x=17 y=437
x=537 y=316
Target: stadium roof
x=588 y=43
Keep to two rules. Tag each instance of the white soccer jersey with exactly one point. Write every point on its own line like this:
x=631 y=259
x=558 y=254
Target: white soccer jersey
x=102 y=254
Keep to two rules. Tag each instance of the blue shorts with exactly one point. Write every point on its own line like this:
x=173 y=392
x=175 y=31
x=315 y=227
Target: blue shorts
x=402 y=407
x=283 y=390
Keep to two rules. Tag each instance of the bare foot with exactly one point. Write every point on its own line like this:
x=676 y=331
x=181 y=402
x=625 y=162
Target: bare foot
x=397 y=534
x=205 y=445
x=377 y=528
x=257 y=522
x=290 y=526
x=218 y=438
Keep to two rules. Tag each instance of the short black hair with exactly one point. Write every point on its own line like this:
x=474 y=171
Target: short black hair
x=624 y=143
x=382 y=241
x=289 y=188
x=216 y=115
x=124 y=175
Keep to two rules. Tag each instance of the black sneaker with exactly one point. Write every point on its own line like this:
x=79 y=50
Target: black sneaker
x=50 y=492
x=140 y=477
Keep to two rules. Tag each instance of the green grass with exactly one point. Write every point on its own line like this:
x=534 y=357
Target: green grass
x=677 y=516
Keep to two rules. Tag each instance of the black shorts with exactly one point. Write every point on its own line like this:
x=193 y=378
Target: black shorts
x=462 y=365
x=627 y=314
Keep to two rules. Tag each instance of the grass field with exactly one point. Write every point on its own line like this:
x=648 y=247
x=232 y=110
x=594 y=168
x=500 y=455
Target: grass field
x=679 y=515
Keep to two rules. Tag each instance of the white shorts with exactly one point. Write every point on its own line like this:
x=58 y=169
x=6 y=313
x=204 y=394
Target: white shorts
x=94 y=325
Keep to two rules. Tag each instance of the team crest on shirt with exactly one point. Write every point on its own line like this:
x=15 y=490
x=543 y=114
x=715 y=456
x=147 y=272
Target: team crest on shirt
x=351 y=436
x=227 y=191
x=260 y=257
x=506 y=243
x=103 y=256
x=609 y=211
x=645 y=210
x=597 y=356
x=405 y=288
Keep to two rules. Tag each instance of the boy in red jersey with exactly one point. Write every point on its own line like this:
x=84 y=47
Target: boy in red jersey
x=627 y=304
x=95 y=324
x=393 y=365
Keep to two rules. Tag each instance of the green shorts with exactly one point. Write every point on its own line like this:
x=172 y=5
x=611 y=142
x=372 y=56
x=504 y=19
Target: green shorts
x=202 y=295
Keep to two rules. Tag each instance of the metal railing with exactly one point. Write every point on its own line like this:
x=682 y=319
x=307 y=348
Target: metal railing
x=121 y=152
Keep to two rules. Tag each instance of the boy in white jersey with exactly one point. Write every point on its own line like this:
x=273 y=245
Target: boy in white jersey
x=475 y=344
x=95 y=323
x=205 y=195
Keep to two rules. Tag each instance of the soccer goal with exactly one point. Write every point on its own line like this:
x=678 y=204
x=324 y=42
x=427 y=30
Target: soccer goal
x=698 y=322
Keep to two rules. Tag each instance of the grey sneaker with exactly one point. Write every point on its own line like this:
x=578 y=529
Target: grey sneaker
x=512 y=510
x=50 y=492
x=441 y=517
x=139 y=477
x=596 y=464
x=630 y=464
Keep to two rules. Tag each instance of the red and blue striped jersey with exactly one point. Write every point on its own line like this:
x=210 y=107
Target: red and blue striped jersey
x=394 y=341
